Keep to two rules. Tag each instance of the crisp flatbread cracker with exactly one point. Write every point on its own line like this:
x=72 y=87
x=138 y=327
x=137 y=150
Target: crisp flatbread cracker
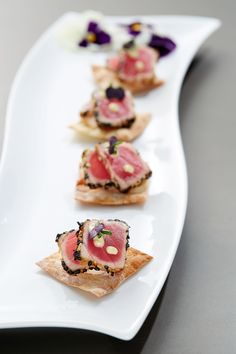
x=102 y=196
x=104 y=77
x=98 y=283
x=125 y=134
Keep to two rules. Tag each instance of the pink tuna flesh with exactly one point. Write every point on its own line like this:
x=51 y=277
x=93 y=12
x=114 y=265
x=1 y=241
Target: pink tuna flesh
x=116 y=241
x=68 y=245
x=142 y=66
x=97 y=167
x=114 y=112
x=126 y=167
x=96 y=171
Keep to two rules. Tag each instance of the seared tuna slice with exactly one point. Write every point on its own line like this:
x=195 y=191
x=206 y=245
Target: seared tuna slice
x=115 y=109
x=68 y=244
x=134 y=63
x=107 y=247
x=93 y=171
x=126 y=167
x=97 y=245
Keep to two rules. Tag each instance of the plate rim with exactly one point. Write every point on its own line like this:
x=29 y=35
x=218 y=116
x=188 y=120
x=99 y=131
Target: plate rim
x=127 y=335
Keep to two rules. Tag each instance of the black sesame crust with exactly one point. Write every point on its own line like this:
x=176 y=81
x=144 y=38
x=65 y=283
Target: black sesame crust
x=115 y=185
x=91 y=265
x=110 y=184
x=107 y=125
x=138 y=183
x=110 y=92
x=77 y=255
x=69 y=271
x=79 y=234
x=58 y=236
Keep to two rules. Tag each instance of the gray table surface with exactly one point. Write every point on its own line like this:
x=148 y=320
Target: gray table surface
x=196 y=312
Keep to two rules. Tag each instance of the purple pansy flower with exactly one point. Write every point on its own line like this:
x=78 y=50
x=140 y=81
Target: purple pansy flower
x=95 y=35
x=135 y=28
x=164 y=45
x=96 y=230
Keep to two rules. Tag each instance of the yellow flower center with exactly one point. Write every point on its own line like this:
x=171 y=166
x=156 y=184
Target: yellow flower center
x=91 y=37
x=136 y=27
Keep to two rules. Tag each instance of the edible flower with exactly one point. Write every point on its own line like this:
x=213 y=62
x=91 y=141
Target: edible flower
x=95 y=34
x=96 y=230
x=137 y=27
x=144 y=33
x=99 y=231
x=88 y=30
x=113 y=143
x=115 y=92
x=164 y=45
x=91 y=30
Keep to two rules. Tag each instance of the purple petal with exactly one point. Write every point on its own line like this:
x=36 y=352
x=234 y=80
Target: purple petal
x=93 y=27
x=83 y=43
x=102 y=38
x=135 y=32
x=112 y=142
x=164 y=45
x=131 y=29
x=115 y=92
x=96 y=230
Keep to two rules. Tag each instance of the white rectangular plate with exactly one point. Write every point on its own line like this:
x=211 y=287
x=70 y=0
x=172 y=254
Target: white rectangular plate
x=39 y=168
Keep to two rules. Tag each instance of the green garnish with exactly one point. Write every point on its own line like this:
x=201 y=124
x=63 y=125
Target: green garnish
x=106 y=232
x=103 y=233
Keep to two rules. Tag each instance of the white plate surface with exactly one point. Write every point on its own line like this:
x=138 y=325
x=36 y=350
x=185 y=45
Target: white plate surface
x=39 y=168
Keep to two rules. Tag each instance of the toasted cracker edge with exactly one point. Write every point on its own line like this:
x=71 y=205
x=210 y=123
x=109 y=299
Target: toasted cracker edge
x=99 y=283
x=125 y=134
x=103 y=77
x=102 y=196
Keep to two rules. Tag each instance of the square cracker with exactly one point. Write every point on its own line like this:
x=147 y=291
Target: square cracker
x=126 y=134
x=98 y=283
x=102 y=196
x=104 y=77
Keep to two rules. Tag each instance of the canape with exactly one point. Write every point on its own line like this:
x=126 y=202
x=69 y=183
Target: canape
x=96 y=257
x=111 y=112
x=112 y=173
x=133 y=68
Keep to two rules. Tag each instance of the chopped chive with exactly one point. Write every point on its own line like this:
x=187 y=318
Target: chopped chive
x=106 y=232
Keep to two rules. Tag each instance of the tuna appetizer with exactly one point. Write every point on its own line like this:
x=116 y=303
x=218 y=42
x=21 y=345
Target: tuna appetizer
x=111 y=112
x=133 y=68
x=112 y=173
x=96 y=257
